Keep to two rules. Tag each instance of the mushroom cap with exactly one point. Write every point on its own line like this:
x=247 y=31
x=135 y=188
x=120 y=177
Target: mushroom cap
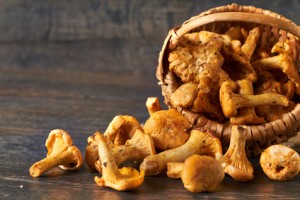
x=74 y=161
x=202 y=173
x=143 y=142
x=167 y=128
x=59 y=143
x=210 y=144
x=185 y=95
x=61 y=152
x=280 y=162
x=121 y=128
x=133 y=179
x=58 y=140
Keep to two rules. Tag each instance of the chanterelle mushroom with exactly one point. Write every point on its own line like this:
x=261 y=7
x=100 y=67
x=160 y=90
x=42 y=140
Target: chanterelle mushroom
x=201 y=173
x=121 y=128
x=188 y=95
x=237 y=57
x=126 y=178
x=153 y=105
x=200 y=142
x=237 y=165
x=61 y=152
x=246 y=115
x=280 y=162
x=167 y=128
x=230 y=101
x=136 y=149
x=283 y=61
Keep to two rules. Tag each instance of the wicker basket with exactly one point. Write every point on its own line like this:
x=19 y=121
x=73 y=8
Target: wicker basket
x=276 y=27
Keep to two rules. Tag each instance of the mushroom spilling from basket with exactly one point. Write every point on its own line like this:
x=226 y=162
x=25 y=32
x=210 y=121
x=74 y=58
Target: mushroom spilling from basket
x=232 y=90
x=234 y=65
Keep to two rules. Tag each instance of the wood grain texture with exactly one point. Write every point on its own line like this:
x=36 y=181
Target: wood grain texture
x=71 y=20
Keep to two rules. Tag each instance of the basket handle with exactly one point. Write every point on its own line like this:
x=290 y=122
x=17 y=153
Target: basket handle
x=235 y=16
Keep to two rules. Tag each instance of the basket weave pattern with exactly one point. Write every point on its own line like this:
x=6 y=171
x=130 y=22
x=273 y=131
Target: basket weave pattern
x=259 y=136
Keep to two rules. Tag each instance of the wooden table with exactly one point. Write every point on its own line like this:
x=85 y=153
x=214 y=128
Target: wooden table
x=56 y=78
x=34 y=102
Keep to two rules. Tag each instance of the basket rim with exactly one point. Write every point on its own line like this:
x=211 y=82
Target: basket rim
x=235 y=12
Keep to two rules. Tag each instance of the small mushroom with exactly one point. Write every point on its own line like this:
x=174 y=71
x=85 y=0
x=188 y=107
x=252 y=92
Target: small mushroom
x=236 y=163
x=61 y=152
x=121 y=128
x=185 y=95
x=250 y=43
x=246 y=115
x=283 y=61
x=280 y=162
x=190 y=95
x=136 y=149
x=237 y=33
x=200 y=142
x=153 y=105
x=167 y=128
x=126 y=178
x=231 y=102
x=201 y=173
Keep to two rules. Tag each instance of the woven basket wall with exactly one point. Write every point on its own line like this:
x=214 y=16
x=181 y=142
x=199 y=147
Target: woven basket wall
x=276 y=28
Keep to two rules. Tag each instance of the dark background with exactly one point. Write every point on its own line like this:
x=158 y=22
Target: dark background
x=75 y=65
x=52 y=43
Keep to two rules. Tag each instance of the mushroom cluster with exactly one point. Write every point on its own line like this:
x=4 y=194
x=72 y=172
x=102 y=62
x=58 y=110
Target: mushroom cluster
x=165 y=143
x=233 y=76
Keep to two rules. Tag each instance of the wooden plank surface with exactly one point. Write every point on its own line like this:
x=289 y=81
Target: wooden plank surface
x=75 y=65
x=81 y=105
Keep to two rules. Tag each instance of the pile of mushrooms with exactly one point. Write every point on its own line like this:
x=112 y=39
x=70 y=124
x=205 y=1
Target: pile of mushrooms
x=166 y=143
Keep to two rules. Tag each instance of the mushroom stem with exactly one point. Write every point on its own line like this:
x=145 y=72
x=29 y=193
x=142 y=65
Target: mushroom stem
x=250 y=44
x=238 y=166
x=153 y=105
x=120 y=179
x=44 y=165
x=203 y=143
x=246 y=115
x=230 y=101
x=260 y=99
x=174 y=169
